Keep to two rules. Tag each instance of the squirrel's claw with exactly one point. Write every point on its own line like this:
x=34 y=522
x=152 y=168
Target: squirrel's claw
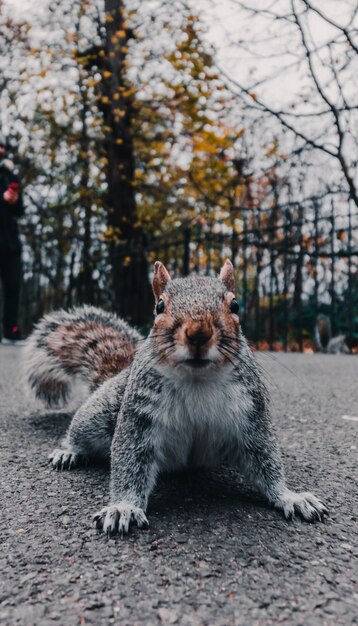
x=63 y=459
x=117 y=518
x=304 y=505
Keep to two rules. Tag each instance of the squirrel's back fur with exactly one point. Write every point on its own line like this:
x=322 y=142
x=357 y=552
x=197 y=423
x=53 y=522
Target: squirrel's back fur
x=83 y=341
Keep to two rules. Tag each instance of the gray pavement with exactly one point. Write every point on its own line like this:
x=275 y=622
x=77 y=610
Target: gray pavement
x=215 y=553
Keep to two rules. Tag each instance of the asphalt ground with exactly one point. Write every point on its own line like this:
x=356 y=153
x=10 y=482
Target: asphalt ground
x=215 y=553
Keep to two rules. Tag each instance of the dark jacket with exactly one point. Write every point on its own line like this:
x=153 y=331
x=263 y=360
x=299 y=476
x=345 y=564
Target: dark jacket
x=9 y=234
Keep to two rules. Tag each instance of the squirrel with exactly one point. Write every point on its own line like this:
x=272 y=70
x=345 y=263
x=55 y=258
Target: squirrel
x=188 y=395
x=324 y=340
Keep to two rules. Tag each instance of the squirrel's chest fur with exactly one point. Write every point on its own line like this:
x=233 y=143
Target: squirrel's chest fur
x=200 y=423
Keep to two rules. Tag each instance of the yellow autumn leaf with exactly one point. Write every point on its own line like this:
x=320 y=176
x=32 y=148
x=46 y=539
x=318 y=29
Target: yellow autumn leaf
x=204 y=146
x=273 y=150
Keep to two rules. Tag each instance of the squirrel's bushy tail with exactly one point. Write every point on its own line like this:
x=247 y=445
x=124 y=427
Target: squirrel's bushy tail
x=86 y=341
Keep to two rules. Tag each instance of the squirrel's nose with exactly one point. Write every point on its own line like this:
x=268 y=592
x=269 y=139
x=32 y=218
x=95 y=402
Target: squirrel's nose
x=198 y=335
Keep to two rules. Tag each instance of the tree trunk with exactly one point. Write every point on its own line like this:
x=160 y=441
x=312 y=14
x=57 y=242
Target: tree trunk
x=117 y=111
x=126 y=253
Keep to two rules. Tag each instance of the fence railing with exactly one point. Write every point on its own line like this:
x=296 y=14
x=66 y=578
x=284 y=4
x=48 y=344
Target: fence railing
x=290 y=265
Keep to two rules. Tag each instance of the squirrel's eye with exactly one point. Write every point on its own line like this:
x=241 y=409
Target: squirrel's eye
x=160 y=307
x=234 y=306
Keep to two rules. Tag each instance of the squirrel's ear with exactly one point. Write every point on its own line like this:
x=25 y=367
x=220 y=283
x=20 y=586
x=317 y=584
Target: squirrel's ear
x=227 y=275
x=160 y=279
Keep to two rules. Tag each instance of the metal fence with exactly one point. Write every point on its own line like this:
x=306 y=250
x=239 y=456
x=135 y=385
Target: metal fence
x=291 y=264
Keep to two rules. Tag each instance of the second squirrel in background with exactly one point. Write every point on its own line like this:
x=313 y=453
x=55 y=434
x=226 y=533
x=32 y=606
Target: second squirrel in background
x=188 y=395
x=324 y=340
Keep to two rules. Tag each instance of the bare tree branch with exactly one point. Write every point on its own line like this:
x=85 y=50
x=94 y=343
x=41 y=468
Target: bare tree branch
x=343 y=29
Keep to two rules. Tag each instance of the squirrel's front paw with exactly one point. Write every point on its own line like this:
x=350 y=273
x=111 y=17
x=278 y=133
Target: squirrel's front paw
x=116 y=518
x=304 y=504
x=63 y=459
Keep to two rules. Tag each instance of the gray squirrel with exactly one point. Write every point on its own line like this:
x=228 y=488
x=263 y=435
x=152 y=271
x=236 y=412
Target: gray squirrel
x=188 y=395
x=324 y=340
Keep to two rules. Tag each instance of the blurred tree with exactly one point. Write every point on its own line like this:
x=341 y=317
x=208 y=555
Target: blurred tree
x=119 y=137
x=51 y=123
x=183 y=140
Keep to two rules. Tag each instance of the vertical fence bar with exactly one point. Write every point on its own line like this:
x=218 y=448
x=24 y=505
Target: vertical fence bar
x=233 y=246
x=257 y=279
x=147 y=301
x=299 y=272
x=285 y=279
x=300 y=328
x=165 y=252
x=71 y=281
x=128 y=301
x=272 y=272
x=137 y=261
x=175 y=260
x=234 y=250
x=244 y=282
x=209 y=243
x=272 y=237
x=315 y=262
x=350 y=276
x=186 y=256
x=219 y=250
x=333 y=270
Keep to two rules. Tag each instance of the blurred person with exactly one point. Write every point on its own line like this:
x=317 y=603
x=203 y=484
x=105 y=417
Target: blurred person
x=11 y=208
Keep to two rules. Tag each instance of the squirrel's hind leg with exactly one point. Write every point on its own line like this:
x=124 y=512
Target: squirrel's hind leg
x=90 y=433
x=87 y=439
